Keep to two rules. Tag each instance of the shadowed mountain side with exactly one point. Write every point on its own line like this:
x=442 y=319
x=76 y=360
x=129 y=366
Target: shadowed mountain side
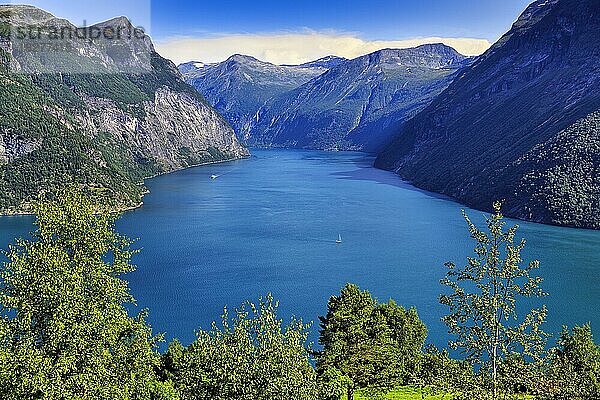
x=494 y=133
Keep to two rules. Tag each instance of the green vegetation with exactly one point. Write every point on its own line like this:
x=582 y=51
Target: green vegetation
x=483 y=315
x=574 y=368
x=46 y=143
x=54 y=153
x=66 y=332
x=250 y=356
x=367 y=345
x=404 y=393
x=561 y=186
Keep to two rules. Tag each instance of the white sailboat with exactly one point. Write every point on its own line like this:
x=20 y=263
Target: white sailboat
x=339 y=241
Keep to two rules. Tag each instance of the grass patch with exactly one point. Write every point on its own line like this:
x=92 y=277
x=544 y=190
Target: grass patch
x=404 y=393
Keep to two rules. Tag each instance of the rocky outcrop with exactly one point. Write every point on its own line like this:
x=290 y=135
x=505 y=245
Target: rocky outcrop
x=176 y=130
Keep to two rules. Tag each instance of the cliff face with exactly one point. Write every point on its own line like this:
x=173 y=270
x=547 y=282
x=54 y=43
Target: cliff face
x=477 y=140
x=175 y=130
x=100 y=114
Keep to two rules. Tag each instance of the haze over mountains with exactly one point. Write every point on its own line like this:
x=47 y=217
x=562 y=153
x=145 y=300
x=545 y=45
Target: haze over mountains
x=332 y=103
x=98 y=114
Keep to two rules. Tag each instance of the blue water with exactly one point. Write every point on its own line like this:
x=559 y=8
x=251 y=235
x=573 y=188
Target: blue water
x=269 y=224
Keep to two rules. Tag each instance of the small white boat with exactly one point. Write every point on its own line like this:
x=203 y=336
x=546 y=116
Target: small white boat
x=213 y=177
x=339 y=241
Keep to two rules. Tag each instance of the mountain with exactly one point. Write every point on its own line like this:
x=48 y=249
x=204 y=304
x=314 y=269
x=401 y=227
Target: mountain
x=357 y=103
x=325 y=63
x=192 y=66
x=239 y=86
x=521 y=124
x=99 y=113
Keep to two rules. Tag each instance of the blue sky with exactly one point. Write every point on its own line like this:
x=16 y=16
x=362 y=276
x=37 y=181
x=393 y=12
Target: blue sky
x=372 y=19
x=297 y=31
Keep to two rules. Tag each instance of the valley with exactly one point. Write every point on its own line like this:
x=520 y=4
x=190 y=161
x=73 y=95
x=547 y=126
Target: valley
x=305 y=207
x=518 y=123
x=328 y=104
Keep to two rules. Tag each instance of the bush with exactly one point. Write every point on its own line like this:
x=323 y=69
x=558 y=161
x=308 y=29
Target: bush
x=65 y=332
x=251 y=356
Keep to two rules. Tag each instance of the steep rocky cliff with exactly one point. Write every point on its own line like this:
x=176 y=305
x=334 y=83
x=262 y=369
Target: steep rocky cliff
x=99 y=114
x=513 y=126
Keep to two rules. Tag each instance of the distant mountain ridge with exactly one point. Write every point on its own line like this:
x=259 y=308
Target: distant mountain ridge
x=239 y=86
x=325 y=63
x=512 y=126
x=357 y=104
x=339 y=105
x=106 y=130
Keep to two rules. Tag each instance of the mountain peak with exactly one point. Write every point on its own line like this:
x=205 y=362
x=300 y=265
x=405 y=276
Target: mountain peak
x=26 y=15
x=534 y=12
x=428 y=48
x=326 y=62
x=116 y=22
x=435 y=47
x=243 y=59
x=433 y=56
x=191 y=66
x=23 y=9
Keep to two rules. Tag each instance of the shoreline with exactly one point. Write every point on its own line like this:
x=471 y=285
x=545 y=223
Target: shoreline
x=141 y=204
x=400 y=179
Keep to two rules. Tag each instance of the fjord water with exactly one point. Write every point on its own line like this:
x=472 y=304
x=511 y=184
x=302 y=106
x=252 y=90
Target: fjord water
x=270 y=224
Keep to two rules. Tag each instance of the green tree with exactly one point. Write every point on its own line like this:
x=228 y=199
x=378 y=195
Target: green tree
x=252 y=356
x=367 y=344
x=438 y=374
x=65 y=332
x=483 y=302
x=574 y=371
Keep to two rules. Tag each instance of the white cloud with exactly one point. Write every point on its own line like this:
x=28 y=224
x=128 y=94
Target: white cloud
x=295 y=48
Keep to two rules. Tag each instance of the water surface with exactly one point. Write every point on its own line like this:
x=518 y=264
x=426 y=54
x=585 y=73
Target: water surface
x=269 y=224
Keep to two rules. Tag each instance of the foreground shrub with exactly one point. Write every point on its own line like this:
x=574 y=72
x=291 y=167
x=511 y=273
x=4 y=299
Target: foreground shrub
x=64 y=330
x=438 y=374
x=574 y=367
x=251 y=356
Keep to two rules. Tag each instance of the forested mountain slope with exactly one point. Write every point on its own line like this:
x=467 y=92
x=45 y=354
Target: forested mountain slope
x=516 y=124
x=97 y=115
